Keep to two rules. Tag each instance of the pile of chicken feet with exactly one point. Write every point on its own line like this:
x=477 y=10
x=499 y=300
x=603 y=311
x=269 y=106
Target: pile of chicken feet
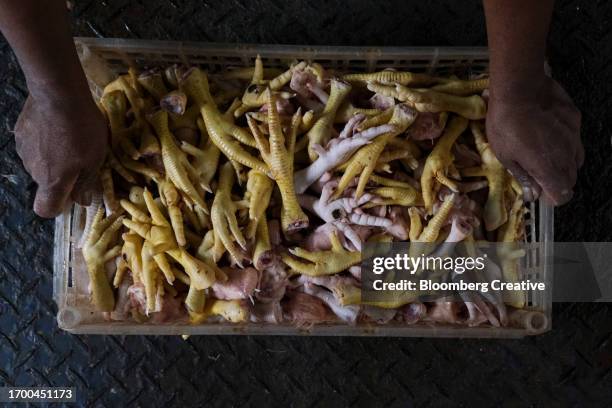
x=247 y=195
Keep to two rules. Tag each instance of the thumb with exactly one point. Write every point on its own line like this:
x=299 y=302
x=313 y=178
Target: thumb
x=51 y=200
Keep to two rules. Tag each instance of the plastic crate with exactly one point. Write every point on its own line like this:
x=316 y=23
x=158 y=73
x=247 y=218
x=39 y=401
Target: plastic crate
x=103 y=58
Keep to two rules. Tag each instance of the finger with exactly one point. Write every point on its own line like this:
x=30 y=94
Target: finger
x=556 y=183
x=51 y=200
x=531 y=189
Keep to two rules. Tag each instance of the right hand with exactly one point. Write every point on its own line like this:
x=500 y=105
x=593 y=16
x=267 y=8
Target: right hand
x=535 y=132
x=62 y=141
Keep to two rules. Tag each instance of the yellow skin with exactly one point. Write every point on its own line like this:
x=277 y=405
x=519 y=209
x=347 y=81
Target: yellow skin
x=159 y=241
x=139 y=167
x=320 y=131
x=171 y=198
x=308 y=121
x=196 y=87
x=255 y=95
x=115 y=164
x=470 y=107
x=148 y=143
x=416 y=224
x=404 y=196
x=322 y=263
x=462 y=88
x=278 y=152
x=150 y=276
x=262 y=242
x=186 y=120
x=108 y=189
x=115 y=107
x=96 y=253
x=363 y=162
x=408 y=146
x=387 y=182
x=234 y=311
x=156 y=230
x=347 y=111
x=227 y=144
x=376 y=120
x=499 y=180
x=177 y=166
x=432 y=230
x=393 y=77
x=258 y=192
x=223 y=215
x=154 y=84
x=205 y=157
x=439 y=162
x=131 y=251
x=509 y=234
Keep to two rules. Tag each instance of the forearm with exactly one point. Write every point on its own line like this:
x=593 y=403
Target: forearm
x=517 y=32
x=39 y=33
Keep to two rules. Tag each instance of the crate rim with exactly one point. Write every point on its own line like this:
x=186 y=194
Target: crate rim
x=356 y=51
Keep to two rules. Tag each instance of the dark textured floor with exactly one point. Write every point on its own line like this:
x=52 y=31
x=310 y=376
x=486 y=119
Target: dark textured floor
x=571 y=366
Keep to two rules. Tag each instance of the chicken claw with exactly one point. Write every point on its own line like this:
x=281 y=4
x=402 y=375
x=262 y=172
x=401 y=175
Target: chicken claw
x=258 y=192
x=363 y=162
x=277 y=152
x=320 y=131
x=321 y=263
x=177 y=166
x=440 y=160
x=495 y=213
x=223 y=215
x=96 y=254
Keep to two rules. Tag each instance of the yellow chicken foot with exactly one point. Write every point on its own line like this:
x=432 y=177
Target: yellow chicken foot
x=223 y=215
x=363 y=162
x=462 y=88
x=495 y=213
x=509 y=252
x=321 y=263
x=393 y=77
x=320 y=131
x=432 y=230
x=96 y=254
x=202 y=274
x=377 y=120
x=337 y=152
x=172 y=200
x=258 y=192
x=470 y=107
x=440 y=160
x=278 y=153
x=404 y=196
x=262 y=254
x=153 y=82
x=158 y=232
x=177 y=166
x=227 y=144
x=416 y=224
x=254 y=96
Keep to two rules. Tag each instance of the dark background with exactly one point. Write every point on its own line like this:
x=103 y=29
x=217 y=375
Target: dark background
x=570 y=366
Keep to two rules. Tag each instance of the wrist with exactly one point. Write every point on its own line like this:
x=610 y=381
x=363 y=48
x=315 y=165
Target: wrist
x=519 y=88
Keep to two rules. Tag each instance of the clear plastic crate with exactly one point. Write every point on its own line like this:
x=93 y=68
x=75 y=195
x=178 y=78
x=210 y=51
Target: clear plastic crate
x=103 y=58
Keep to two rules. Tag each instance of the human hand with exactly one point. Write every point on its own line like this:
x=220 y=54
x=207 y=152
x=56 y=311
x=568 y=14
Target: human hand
x=61 y=139
x=535 y=133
